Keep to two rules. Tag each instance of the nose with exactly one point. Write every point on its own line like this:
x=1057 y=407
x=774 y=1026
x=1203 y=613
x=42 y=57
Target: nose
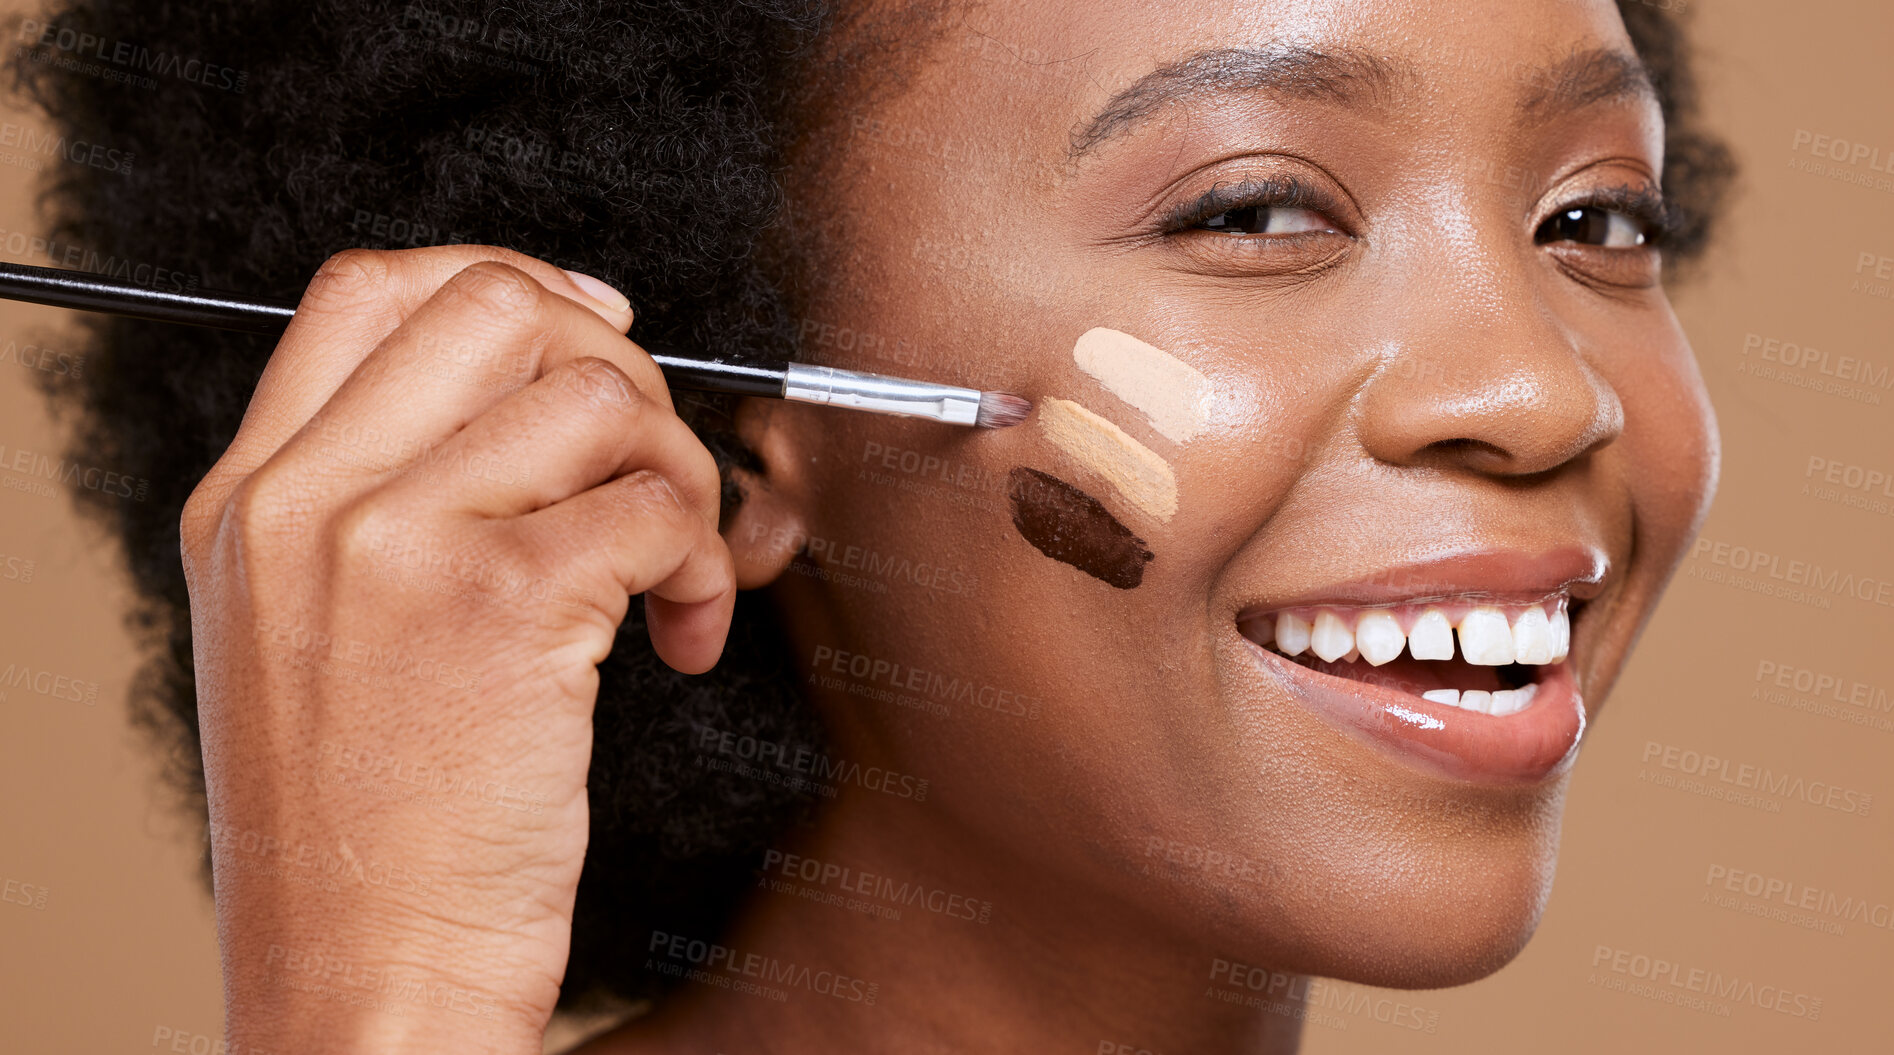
x=1496 y=386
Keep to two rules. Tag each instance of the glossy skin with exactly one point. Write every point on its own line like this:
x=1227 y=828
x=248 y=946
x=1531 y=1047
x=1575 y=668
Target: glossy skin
x=1407 y=374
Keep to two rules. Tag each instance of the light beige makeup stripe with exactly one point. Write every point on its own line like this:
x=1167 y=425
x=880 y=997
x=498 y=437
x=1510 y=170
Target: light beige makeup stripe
x=1144 y=478
x=1171 y=392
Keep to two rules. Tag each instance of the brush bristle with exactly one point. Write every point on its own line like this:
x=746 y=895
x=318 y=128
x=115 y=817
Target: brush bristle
x=999 y=410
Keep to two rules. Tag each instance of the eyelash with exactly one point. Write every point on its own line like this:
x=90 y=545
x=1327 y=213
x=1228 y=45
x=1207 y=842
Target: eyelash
x=1644 y=204
x=1284 y=193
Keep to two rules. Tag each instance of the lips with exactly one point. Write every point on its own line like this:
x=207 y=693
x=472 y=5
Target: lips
x=1467 y=676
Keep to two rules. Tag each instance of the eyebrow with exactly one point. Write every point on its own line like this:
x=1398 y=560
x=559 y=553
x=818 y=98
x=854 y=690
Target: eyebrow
x=1595 y=75
x=1352 y=78
x=1293 y=71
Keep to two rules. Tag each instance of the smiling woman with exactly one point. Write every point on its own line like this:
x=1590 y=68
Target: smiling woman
x=1364 y=442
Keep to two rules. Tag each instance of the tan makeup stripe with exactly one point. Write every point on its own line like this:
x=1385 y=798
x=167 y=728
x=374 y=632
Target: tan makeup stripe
x=1135 y=470
x=1171 y=392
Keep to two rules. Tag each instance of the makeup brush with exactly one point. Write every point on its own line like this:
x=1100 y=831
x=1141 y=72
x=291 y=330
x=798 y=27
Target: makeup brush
x=797 y=382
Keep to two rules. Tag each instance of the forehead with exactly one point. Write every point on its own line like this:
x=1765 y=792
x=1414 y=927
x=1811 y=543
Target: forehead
x=1107 y=64
x=1121 y=35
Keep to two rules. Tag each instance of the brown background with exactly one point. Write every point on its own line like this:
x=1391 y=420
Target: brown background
x=124 y=945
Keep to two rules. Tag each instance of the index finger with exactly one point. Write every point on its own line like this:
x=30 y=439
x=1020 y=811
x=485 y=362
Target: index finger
x=355 y=301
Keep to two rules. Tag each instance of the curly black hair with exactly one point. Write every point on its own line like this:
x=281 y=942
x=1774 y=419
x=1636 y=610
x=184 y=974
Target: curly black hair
x=640 y=142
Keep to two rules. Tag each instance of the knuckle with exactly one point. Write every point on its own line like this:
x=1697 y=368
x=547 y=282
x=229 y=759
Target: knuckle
x=261 y=514
x=364 y=532
x=197 y=521
x=264 y=505
x=706 y=477
x=496 y=287
x=476 y=252
x=600 y=384
x=649 y=492
x=347 y=278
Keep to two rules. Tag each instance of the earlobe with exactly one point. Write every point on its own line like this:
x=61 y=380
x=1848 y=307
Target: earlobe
x=765 y=531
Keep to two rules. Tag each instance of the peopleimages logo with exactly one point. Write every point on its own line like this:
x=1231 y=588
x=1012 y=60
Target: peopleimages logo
x=1823 y=684
x=1306 y=994
x=1684 y=978
x=1749 y=777
x=874 y=885
x=77 y=151
x=810 y=764
x=1800 y=576
x=131 y=57
x=721 y=962
x=42 y=682
x=1793 y=895
x=1870 y=156
x=17 y=244
x=1801 y=357
x=929 y=683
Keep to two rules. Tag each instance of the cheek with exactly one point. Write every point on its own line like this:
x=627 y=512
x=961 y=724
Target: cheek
x=1671 y=445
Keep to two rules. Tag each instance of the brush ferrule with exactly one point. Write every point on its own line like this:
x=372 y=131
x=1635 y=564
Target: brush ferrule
x=882 y=394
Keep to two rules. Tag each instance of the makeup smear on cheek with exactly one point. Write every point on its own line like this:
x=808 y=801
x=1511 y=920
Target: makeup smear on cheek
x=1172 y=393
x=1071 y=527
x=1136 y=471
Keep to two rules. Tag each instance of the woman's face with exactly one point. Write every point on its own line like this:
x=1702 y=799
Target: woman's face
x=1367 y=336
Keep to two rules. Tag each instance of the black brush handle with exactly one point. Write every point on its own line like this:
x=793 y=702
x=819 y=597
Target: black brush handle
x=85 y=291
x=88 y=292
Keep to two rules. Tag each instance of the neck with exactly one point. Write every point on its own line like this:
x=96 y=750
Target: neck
x=873 y=936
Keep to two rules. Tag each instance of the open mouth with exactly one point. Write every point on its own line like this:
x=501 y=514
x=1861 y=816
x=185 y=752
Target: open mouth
x=1468 y=686
x=1462 y=665
x=1477 y=656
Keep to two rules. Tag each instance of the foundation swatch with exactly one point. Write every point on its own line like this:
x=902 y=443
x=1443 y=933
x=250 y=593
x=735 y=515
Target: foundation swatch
x=1172 y=393
x=1144 y=478
x=1071 y=527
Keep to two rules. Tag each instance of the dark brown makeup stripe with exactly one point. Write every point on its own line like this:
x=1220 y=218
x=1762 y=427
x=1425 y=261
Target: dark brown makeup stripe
x=1070 y=526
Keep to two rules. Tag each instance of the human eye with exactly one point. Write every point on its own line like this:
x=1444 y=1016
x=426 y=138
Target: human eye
x=1609 y=237
x=1619 y=218
x=1256 y=227
x=1256 y=208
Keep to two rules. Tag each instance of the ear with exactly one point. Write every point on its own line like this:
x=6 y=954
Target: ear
x=766 y=530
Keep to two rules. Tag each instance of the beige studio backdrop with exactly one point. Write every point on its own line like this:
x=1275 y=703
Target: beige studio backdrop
x=1732 y=815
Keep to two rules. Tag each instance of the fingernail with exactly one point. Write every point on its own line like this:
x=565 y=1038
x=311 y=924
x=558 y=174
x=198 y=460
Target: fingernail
x=609 y=298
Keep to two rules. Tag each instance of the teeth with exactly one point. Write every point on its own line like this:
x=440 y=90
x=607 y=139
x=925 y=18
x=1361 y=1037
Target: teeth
x=1512 y=701
x=1432 y=636
x=1485 y=638
x=1292 y=634
x=1379 y=636
x=1532 y=637
x=1331 y=639
x=1489 y=636
x=1498 y=704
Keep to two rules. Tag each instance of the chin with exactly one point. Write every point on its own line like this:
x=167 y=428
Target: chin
x=1411 y=886
x=1418 y=916
x=1428 y=948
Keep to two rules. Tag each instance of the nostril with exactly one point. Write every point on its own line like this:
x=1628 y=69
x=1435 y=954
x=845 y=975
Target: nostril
x=1476 y=454
x=1461 y=447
